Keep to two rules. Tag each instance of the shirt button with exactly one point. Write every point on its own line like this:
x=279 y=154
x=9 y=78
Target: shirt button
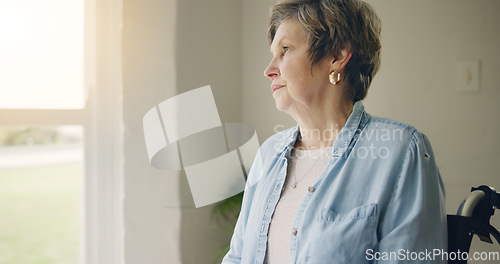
x=294 y=231
x=310 y=189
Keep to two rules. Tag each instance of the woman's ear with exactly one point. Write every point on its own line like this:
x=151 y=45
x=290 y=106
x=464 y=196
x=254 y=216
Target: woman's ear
x=341 y=60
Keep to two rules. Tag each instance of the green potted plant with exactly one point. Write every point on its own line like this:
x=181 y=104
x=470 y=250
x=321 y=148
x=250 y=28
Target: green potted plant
x=224 y=214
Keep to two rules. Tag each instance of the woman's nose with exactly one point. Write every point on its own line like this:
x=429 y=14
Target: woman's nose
x=272 y=70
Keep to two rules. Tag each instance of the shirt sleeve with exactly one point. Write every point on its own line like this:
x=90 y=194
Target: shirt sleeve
x=413 y=226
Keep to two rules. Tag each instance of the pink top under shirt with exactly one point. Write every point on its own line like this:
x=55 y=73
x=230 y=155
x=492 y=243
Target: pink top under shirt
x=304 y=168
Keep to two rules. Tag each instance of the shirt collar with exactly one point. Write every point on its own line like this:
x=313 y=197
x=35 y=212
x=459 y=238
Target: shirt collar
x=345 y=136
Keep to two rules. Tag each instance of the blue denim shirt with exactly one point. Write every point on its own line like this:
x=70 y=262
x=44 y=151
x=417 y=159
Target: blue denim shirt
x=379 y=200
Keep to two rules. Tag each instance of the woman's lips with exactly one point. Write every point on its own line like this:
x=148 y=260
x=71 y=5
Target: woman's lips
x=275 y=87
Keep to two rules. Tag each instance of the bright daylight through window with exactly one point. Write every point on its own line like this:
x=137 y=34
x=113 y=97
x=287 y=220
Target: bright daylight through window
x=41 y=54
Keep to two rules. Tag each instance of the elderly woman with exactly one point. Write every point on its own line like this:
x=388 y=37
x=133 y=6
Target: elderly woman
x=342 y=186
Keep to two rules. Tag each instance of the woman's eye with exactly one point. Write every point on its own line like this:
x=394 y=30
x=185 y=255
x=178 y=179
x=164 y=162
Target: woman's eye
x=285 y=49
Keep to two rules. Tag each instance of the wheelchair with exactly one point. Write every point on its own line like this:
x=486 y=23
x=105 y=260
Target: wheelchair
x=473 y=218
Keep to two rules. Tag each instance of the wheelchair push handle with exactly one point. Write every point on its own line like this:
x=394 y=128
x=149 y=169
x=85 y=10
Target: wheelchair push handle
x=480 y=205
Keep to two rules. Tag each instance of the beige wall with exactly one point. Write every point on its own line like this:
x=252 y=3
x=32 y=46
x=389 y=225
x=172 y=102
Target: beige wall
x=170 y=47
x=173 y=46
x=149 y=76
x=207 y=53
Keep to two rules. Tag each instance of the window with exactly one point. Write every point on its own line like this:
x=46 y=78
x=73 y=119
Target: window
x=60 y=131
x=41 y=194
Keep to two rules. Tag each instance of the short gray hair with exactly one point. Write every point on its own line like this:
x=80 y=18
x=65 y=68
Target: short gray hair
x=332 y=25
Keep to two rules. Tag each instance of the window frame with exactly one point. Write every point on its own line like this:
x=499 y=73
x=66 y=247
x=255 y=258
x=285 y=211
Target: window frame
x=104 y=240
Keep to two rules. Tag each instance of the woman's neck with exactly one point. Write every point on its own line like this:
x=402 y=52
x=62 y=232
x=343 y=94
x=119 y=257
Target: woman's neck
x=321 y=125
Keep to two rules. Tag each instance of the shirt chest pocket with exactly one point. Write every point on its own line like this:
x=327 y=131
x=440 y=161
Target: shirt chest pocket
x=343 y=238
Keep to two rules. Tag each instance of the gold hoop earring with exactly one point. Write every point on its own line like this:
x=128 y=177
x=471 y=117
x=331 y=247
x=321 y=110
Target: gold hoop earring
x=332 y=78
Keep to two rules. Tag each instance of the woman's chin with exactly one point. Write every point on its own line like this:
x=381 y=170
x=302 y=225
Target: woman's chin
x=280 y=101
x=282 y=106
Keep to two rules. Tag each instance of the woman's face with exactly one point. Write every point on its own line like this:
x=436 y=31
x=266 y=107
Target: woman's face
x=294 y=86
